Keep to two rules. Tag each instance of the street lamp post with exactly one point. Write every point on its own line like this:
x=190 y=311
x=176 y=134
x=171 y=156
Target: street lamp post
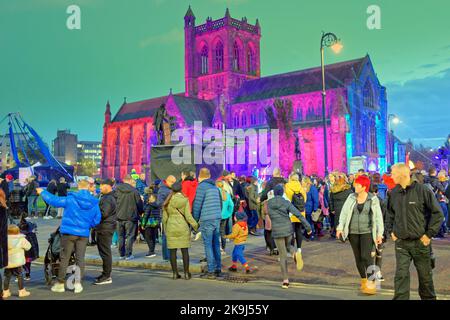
x=395 y=121
x=328 y=40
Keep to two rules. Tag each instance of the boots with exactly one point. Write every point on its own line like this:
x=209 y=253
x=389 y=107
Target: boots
x=23 y=293
x=176 y=276
x=363 y=284
x=370 y=288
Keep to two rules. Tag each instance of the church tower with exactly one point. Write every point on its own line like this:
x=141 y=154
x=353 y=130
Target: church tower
x=220 y=56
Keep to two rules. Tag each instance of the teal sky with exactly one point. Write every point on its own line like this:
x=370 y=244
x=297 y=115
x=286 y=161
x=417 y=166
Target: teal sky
x=59 y=78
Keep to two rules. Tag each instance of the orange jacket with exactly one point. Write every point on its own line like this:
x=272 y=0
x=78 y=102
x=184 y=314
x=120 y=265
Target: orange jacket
x=239 y=233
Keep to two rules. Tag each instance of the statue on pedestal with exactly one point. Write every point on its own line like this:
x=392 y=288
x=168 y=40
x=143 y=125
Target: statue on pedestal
x=298 y=153
x=158 y=120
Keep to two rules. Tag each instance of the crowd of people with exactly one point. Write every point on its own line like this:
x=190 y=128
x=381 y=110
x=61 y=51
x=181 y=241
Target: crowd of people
x=410 y=207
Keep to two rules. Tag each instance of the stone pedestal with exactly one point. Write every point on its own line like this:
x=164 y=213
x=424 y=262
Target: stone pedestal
x=298 y=166
x=166 y=132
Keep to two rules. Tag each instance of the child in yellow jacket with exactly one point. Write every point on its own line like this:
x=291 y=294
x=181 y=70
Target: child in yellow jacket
x=239 y=234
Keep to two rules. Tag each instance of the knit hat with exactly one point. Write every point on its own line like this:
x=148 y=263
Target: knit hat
x=241 y=216
x=364 y=181
x=278 y=190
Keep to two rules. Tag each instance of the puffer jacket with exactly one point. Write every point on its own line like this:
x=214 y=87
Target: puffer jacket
x=278 y=211
x=176 y=227
x=163 y=193
x=208 y=202
x=291 y=188
x=239 y=233
x=81 y=212
x=312 y=200
x=17 y=245
x=189 y=188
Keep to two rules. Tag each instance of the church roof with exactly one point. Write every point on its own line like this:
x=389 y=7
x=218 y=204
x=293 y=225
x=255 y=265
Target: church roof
x=191 y=109
x=139 y=109
x=302 y=81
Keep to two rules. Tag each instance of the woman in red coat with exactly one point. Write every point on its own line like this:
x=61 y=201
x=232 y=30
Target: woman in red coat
x=189 y=186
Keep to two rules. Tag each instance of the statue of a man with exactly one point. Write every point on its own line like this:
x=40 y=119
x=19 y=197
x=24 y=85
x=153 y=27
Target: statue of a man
x=158 y=120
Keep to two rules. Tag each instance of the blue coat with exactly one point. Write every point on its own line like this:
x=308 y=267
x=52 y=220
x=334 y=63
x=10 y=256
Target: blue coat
x=208 y=202
x=81 y=212
x=312 y=200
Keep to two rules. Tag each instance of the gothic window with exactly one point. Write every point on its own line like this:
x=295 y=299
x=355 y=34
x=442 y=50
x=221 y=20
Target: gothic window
x=373 y=136
x=368 y=96
x=262 y=118
x=299 y=116
x=236 y=120
x=253 y=119
x=250 y=61
x=204 y=60
x=236 y=55
x=244 y=120
x=219 y=57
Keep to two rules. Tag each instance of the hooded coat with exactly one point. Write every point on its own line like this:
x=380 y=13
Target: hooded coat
x=177 y=227
x=189 y=188
x=81 y=212
x=291 y=188
x=129 y=204
x=17 y=245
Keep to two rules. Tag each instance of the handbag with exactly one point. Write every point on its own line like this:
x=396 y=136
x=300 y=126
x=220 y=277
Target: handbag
x=316 y=215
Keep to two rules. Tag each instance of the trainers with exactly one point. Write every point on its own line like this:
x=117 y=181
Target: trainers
x=232 y=269
x=208 y=275
x=122 y=258
x=150 y=255
x=129 y=258
x=285 y=285
x=27 y=278
x=78 y=288
x=102 y=281
x=6 y=294
x=23 y=293
x=298 y=260
x=58 y=287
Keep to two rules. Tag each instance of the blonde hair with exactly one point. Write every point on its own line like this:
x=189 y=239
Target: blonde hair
x=219 y=184
x=83 y=184
x=401 y=167
x=294 y=177
x=13 y=230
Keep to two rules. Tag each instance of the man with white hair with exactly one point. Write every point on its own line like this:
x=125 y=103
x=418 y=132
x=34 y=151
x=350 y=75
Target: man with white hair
x=413 y=218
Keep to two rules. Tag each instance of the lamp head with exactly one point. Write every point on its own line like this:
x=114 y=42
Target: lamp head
x=337 y=47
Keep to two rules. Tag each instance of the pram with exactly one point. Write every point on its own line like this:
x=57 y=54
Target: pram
x=52 y=257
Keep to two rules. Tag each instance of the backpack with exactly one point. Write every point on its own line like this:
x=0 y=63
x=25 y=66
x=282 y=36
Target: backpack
x=298 y=201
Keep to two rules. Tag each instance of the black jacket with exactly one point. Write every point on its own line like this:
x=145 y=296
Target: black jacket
x=3 y=237
x=4 y=186
x=62 y=189
x=413 y=212
x=270 y=185
x=337 y=201
x=435 y=184
x=52 y=188
x=129 y=203
x=30 y=189
x=237 y=189
x=109 y=215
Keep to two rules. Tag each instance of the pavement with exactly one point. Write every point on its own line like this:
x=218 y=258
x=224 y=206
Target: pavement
x=327 y=262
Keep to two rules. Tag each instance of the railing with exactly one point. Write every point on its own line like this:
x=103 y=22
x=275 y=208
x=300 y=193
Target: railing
x=217 y=24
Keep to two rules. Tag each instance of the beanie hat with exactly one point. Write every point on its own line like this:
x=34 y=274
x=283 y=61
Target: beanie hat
x=278 y=190
x=241 y=216
x=364 y=181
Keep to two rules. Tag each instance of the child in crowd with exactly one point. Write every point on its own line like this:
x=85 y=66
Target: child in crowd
x=29 y=229
x=239 y=235
x=149 y=223
x=17 y=245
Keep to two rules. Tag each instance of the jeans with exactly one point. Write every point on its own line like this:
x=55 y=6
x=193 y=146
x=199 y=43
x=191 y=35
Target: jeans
x=238 y=254
x=104 y=239
x=211 y=240
x=223 y=232
x=311 y=222
x=68 y=244
x=252 y=219
x=32 y=205
x=126 y=231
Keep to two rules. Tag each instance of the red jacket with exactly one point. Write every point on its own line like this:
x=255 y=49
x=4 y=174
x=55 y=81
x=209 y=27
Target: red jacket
x=189 y=189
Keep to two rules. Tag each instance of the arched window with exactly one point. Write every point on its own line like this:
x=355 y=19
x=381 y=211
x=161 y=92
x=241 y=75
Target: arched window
x=219 y=57
x=250 y=61
x=236 y=55
x=243 y=120
x=368 y=96
x=236 y=120
x=204 y=60
x=253 y=119
x=262 y=117
x=299 y=115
